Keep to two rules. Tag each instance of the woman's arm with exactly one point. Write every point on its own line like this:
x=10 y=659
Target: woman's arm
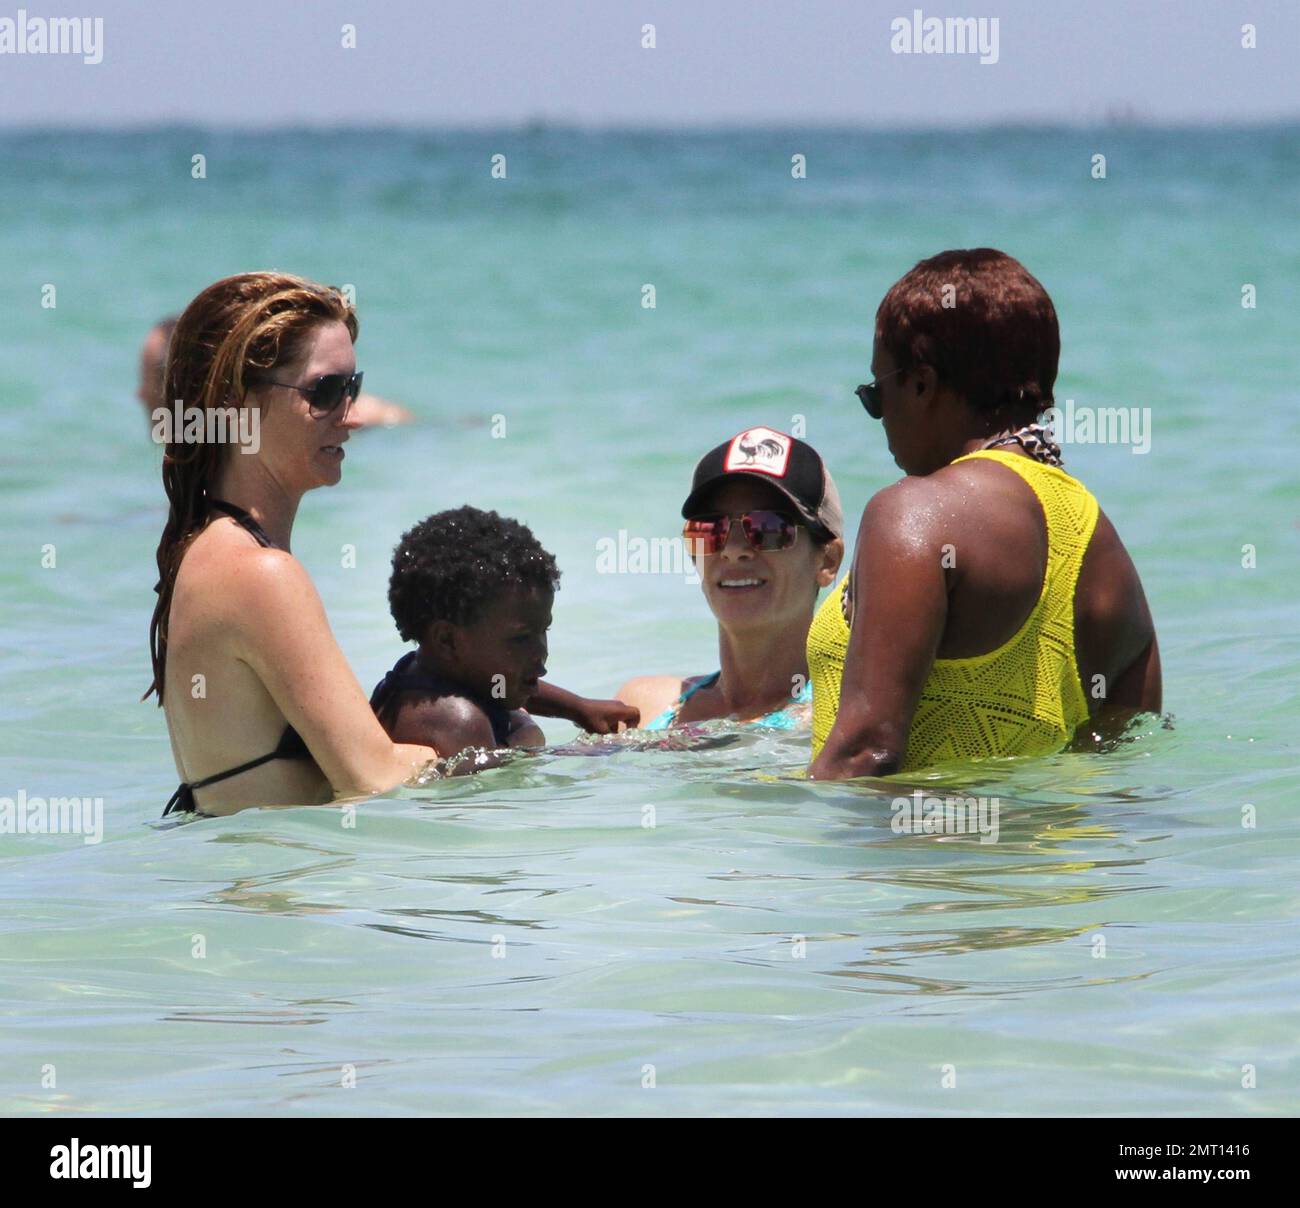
x=900 y=607
x=281 y=632
x=1114 y=634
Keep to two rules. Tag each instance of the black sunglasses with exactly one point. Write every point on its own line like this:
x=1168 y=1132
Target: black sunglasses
x=870 y=395
x=327 y=392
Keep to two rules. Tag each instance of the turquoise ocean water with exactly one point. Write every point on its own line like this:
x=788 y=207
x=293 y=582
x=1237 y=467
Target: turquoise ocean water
x=520 y=941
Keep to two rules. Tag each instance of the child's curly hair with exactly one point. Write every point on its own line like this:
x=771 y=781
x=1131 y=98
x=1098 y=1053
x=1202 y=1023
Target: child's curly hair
x=452 y=564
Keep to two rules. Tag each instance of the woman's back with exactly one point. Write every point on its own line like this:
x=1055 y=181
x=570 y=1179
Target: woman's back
x=1014 y=670
x=219 y=711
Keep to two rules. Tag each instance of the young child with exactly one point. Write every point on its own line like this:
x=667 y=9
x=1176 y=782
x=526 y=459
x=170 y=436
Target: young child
x=475 y=589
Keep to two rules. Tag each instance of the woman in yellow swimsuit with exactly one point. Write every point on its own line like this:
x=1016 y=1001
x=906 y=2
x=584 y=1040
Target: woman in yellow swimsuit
x=991 y=608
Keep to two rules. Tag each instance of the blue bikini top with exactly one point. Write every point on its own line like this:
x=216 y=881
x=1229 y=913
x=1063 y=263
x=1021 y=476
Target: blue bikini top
x=779 y=719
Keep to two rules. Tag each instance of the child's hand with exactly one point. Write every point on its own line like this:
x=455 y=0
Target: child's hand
x=605 y=716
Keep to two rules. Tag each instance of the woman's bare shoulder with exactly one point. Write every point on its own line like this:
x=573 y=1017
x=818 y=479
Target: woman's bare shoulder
x=242 y=573
x=652 y=694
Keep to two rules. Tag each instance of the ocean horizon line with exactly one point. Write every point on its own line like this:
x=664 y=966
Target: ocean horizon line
x=568 y=126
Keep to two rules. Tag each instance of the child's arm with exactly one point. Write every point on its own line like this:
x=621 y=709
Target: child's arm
x=594 y=716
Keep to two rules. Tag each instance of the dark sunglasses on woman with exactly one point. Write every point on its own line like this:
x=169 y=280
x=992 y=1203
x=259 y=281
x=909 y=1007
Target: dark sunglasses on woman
x=870 y=395
x=327 y=392
x=764 y=530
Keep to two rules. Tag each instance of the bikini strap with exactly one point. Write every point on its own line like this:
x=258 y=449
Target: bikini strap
x=240 y=517
x=707 y=682
x=244 y=520
x=182 y=800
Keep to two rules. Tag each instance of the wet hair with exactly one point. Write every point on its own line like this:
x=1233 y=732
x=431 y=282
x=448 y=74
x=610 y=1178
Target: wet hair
x=453 y=565
x=996 y=342
x=231 y=336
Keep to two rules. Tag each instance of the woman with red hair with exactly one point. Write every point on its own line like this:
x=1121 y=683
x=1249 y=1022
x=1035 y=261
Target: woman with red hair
x=991 y=608
x=262 y=707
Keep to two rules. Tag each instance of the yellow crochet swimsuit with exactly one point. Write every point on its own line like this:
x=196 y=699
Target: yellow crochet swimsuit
x=1024 y=698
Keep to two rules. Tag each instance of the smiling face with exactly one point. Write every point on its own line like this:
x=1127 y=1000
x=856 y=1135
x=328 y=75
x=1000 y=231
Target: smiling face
x=301 y=450
x=502 y=654
x=754 y=590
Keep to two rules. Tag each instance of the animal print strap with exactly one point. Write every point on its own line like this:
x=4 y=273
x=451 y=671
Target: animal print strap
x=1035 y=439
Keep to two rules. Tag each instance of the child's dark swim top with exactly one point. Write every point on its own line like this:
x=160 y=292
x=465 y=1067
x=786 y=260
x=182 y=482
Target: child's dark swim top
x=408 y=676
x=291 y=745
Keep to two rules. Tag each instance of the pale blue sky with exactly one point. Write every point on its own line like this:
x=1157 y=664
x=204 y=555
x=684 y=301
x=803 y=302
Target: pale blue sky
x=717 y=62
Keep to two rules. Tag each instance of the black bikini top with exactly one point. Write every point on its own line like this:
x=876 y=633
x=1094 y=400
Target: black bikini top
x=408 y=676
x=291 y=745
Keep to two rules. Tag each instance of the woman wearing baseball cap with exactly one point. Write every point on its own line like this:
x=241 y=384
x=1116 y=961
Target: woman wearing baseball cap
x=765 y=526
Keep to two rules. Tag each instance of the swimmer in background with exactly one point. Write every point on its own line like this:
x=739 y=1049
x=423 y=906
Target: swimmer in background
x=765 y=526
x=370 y=410
x=475 y=590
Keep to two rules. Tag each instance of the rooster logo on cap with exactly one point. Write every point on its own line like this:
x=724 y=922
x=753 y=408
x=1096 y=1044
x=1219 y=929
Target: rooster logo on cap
x=759 y=449
x=767 y=448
